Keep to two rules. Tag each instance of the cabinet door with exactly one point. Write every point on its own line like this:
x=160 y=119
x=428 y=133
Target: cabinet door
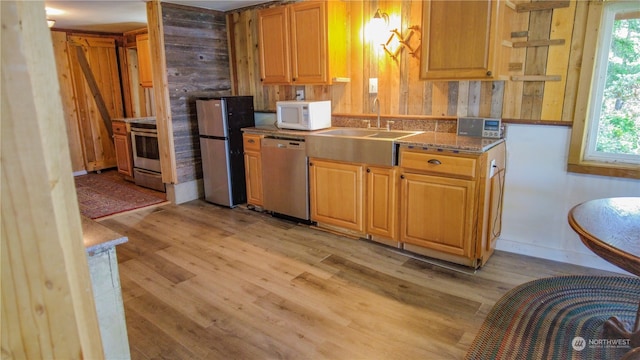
x=309 y=42
x=460 y=46
x=123 y=154
x=253 y=174
x=382 y=202
x=437 y=213
x=273 y=44
x=337 y=194
x=97 y=59
x=144 y=60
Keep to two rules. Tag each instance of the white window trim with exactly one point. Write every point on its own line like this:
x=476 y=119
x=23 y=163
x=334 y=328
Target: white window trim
x=595 y=105
x=587 y=36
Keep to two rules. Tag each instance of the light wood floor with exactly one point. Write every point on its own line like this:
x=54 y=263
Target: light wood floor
x=205 y=282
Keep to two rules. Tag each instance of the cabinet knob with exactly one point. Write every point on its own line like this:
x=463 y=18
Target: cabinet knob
x=489 y=73
x=310 y=164
x=251 y=141
x=401 y=176
x=294 y=79
x=368 y=170
x=434 y=162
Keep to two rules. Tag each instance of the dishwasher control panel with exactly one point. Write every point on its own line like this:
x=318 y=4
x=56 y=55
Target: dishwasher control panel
x=283 y=143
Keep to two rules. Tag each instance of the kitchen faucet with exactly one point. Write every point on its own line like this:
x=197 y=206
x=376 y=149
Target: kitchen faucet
x=376 y=101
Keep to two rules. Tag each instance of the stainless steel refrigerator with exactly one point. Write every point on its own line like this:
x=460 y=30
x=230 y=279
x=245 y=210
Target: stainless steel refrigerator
x=219 y=123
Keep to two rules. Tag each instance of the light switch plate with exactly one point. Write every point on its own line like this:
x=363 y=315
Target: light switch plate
x=373 y=85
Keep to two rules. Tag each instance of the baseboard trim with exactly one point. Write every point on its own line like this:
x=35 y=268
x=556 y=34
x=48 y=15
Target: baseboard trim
x=570 y=257
x=185 y=191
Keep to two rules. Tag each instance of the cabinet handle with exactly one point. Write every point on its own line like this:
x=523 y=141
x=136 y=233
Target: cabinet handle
x=434 y=162
x=294 y=79
x=401 y=176
x=368 y=170
x=310 y=164
x=251 y=141
x=489 y=73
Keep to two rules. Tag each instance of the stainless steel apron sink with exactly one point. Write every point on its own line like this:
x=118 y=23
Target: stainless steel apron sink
x=367 y=146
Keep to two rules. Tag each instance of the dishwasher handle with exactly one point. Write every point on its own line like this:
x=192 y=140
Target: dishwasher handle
x=283 y=144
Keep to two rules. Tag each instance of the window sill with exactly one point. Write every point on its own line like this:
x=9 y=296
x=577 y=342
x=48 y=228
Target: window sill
x=604 y=169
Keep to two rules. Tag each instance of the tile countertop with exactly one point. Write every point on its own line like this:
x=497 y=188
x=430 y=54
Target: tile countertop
x=425 y=140
x=449 y=141
x=98 y=237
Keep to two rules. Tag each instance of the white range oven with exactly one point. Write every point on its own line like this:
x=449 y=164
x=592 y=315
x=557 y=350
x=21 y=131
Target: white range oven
x=146 y=155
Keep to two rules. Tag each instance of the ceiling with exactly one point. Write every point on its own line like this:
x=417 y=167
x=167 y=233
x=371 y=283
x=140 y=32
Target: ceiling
x=122 y=15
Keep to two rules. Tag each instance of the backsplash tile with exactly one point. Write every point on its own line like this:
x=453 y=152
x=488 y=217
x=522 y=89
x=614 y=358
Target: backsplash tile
x=437 y=125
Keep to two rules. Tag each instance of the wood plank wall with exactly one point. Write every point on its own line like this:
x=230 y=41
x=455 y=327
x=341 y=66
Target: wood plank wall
x=401 y=92
x=48 y=310
x=197 y=61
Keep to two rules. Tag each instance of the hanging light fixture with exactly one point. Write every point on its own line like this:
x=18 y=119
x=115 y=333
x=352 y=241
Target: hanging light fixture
x=378 y=26
x=384 y=17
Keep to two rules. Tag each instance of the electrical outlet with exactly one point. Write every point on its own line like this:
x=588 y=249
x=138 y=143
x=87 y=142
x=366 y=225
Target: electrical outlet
x=373 y=85
x=300 y=94
x=493 y=168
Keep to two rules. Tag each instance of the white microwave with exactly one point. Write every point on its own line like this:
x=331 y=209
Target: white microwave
x=303 y=115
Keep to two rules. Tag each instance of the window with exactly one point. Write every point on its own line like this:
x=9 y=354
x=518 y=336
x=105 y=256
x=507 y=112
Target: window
x=607 y=140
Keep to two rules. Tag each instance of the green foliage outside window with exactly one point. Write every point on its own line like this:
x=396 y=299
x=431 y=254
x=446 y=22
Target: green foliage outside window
x=619 y=125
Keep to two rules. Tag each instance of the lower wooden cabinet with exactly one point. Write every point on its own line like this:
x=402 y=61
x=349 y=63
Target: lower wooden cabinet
x=337 y=194
x=437 y=213
x=122 y=145
x=382 y=202
x=253 y=168
x=442 y=204
x=451 y=203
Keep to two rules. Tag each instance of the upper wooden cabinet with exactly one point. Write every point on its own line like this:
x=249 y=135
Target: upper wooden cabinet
x=273 y=33
x=303 y=43
x=459 y=40
x=144 y=60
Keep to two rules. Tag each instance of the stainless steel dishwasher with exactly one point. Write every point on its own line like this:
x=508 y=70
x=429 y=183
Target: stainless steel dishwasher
x=285 y=177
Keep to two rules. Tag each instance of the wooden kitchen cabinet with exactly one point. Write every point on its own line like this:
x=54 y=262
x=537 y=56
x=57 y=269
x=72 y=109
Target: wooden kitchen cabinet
x=436 y=213
x=122 y=144
x=462 y=46
x=94 y=67
x=382 y=203
x=337 y=194
x=451 y=203
x=303 y=43
x=144 y=60
x=273 y=43
x=253 y=168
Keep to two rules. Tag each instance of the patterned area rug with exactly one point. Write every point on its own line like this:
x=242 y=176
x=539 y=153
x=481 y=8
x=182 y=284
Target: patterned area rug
x=558 y=318
x=105 y=194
